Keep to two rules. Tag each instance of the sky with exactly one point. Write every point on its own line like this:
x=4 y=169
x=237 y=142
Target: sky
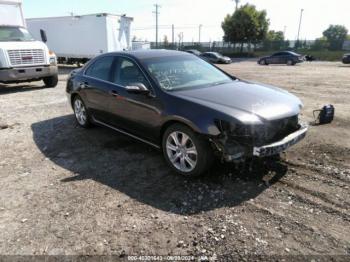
x=187 y=15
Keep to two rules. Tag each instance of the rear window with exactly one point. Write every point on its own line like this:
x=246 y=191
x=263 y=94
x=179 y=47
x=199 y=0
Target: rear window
x=101 y=69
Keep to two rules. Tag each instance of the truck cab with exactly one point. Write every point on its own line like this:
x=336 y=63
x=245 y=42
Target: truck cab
x=22 y=58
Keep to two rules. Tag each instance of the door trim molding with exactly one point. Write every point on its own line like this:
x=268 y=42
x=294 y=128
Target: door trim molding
x=126 y=133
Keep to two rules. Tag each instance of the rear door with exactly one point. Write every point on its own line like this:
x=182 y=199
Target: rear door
x=285 y=56
x=275 y=58
x=96 y=86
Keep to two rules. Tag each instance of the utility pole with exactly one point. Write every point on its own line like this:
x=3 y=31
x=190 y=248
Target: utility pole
x=284 y=31
x=301 y=17
x=237 y=3
x=199 y=36
x=156 y=13
x=173 y=33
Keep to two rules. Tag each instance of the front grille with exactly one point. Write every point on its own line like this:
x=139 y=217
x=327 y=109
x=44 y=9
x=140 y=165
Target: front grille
x=267 y=133
x=26 y=57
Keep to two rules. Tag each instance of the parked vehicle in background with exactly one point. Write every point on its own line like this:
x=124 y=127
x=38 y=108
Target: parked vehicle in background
x=185 y=106
x=285 y=57
x=346 y=59
x=194 y=52
x=216 y=58
x=140 y=45
x=22 y=59
x=76 y=39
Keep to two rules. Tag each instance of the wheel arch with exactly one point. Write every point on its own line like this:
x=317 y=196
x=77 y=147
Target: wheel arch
x=205 y=129
x=72 y=97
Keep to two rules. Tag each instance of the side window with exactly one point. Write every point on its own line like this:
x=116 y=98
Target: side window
x=101 y=68
x=127 y=73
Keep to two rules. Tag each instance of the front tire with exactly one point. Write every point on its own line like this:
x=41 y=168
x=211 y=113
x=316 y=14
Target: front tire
x=81 y=113
x=290 y=62
x=186 y=152
x=51 y=81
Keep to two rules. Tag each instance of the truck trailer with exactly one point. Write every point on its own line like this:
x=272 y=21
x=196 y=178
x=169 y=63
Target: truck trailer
x=22 y=58
x=76 y=39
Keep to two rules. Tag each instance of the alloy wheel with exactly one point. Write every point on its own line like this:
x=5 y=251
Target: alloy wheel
x=181 y=151
x=80 y=112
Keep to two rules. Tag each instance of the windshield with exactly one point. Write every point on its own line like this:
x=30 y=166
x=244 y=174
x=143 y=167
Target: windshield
x=184 y=72
x=9 y=33
x=217 y=54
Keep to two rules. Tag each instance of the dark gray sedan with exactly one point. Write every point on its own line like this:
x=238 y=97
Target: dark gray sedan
x=216 y=58
x=285 y=57
x=185 y=106
x=346 y=59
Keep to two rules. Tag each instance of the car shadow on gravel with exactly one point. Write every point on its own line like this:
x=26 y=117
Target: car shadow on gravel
x=139 y=171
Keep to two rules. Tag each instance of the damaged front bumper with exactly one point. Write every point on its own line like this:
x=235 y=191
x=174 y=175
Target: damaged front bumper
x=235 y=151
x=280 y=146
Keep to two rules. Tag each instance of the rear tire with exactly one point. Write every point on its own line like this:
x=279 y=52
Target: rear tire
x=263 y=62
x=186 y=152
x=51 y=81
x=81 y=113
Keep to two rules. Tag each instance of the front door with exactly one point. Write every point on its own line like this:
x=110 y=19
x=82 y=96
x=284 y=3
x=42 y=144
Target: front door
x=138 y=114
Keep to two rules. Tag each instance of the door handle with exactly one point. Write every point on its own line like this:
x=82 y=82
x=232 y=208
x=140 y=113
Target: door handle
x=114 y=93
x=84 y=85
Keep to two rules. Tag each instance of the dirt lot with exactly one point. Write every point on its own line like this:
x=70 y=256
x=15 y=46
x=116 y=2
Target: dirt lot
x=65 y=190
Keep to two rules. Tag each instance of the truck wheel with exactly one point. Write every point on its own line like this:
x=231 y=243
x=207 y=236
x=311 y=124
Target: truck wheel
x=186 y=152
x=51 y=81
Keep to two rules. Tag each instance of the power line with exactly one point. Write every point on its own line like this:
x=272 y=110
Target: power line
x=176 y=27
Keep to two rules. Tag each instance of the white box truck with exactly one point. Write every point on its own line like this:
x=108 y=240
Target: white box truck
x=76 y=39
x=23 y=59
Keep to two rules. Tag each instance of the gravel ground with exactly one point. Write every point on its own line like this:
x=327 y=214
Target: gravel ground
x=70 y=191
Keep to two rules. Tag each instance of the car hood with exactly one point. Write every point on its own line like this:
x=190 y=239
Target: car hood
x=225 y=58
x=241 y=100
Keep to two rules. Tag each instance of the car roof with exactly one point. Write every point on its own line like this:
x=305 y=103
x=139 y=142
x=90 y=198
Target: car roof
x=289 y=52
x=152 y=53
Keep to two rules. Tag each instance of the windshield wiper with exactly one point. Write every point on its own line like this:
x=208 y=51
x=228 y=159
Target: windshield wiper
x=220 y=83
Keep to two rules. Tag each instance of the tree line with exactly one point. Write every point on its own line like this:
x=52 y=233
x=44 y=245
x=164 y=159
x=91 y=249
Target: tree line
x=249 y=27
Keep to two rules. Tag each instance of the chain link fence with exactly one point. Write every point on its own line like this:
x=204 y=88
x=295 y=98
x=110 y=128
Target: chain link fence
x=321 y=48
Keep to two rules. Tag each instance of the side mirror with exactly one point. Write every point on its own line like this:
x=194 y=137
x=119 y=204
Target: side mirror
x=43 y=35
x=137 y=88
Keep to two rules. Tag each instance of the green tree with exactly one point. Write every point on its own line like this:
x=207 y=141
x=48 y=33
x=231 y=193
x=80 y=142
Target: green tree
x=335 y=35
x=245 y=25
x=275 y=36
x=274 y=41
